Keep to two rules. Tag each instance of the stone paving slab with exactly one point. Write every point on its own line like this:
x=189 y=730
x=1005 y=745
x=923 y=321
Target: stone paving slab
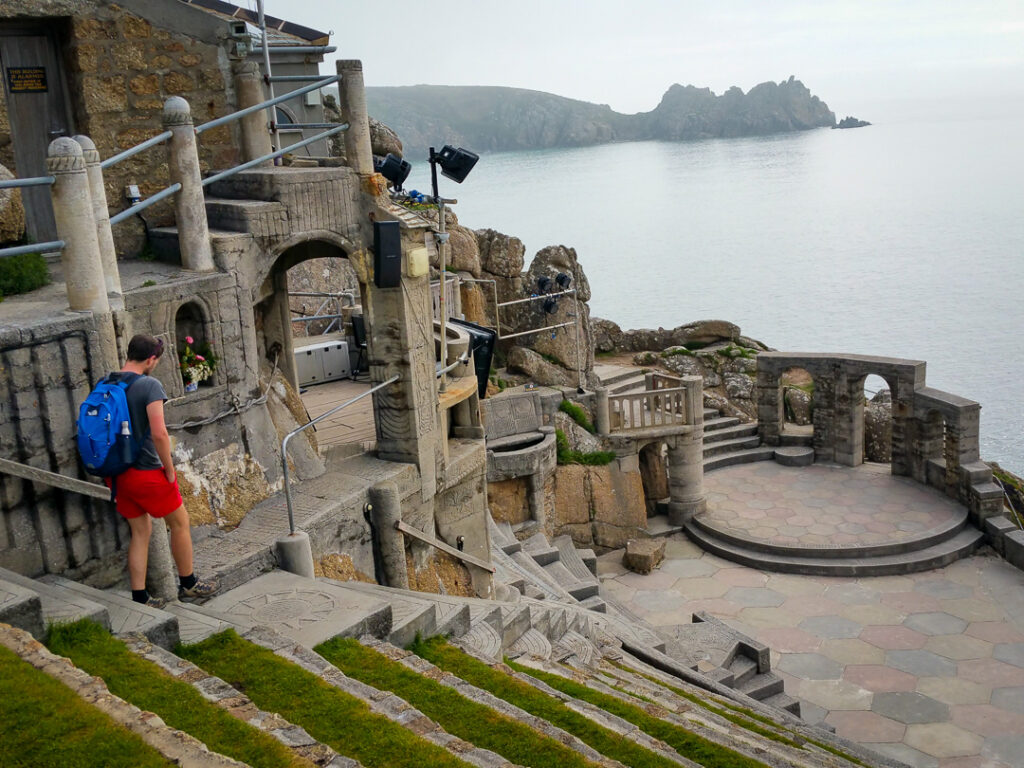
x=927 y=668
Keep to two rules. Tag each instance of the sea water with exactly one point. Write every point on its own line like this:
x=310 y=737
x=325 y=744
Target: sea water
x=905 y=240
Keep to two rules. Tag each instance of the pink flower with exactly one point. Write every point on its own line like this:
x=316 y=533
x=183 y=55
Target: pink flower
x=200 y=358
x=189 y=340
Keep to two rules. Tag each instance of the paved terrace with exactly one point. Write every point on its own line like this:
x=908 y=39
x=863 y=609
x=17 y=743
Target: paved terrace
x=927 y=668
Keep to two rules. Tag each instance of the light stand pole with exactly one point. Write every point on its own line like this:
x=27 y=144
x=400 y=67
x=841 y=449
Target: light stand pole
x=442 y=244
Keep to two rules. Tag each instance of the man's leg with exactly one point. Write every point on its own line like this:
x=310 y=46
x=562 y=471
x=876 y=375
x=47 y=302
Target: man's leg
x=181 y=540
x=138 y=550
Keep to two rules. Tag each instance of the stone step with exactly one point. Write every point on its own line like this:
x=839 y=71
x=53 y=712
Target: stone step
x=795 y=440
x=258 y=217
x=126 y=616
x=944 y=532
x=580 y=590
x=729 y=433
x=742 y=669
x=532 y=643
x=935 y=556
x=783 y=701
x=762 y=453
x=711 y=414
x=794 y=455
x=538 y=547
x=21 y=608
x=515 y=621
x=164 y=241
x=589 y=558
x=762 y=686
x=659 y=525
x=635 y=383
x=482 y=639
x=535 y=574
x=595 y=603
x=58 y=607
x=570 y=557
x=194 y=626
x=719 y=422
x=236 y=703
x=613 y=374
x=731 y=445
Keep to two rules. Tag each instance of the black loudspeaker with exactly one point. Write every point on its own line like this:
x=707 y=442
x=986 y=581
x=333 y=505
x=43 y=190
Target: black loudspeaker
x=387 y=254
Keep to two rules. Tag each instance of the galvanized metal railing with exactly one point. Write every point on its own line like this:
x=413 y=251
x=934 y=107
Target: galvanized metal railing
x=307 y=425
x=51 y=245
x=319 y=312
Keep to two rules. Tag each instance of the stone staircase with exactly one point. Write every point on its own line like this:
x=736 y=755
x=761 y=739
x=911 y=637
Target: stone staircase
x=609 y=649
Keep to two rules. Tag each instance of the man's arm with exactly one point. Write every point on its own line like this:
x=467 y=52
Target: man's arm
x=161 y=437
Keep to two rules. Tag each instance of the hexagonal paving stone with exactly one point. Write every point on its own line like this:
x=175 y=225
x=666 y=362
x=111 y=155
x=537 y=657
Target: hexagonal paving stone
x=686 y=568
x=834 y=694
x=943 y=589
x=1011 y=653
x=810 y=666
x=879 y=678
x=893 y=638
x=991 y=672
x=870 y=614
x=938 y=623
x=907 y=755
x=755 y=596
x=658 y=600
x=954 y=690
x=942 y=740
x=831 y=627
x=786 y=639
x=974 y=610
x=742 y=577
x=697 y=589
x=865 y=727
x=994 y=632
x=852 y=594
x=1011 y=699
x=921 y=663
x=769 y=617
x=959 y=647
x=986 y=719
x=1006 y=748
x=909 y=707
x=910 y=602
x=852 y=651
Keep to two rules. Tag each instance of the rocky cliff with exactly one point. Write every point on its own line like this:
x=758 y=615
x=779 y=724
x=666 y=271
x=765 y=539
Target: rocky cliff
x=488 y=118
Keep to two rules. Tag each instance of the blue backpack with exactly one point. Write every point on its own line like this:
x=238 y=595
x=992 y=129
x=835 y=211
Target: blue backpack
x=106 y=442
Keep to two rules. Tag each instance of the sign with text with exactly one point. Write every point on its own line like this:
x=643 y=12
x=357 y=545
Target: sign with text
x=26 y=79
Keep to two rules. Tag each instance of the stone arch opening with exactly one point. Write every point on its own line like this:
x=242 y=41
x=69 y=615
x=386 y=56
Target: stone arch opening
x=654 y=475
x=796 y=402
x=192 y=322
x=272 y=308
x=876 y=418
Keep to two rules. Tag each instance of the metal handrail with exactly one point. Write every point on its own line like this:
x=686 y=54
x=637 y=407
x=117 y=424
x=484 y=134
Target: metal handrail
x=28 y=181
x=297 y=49
x=307 y=425
x=160 y=138
x=462 y=360
x=18 y=250
x=127 y=213
x=268 y=103
x=270 y=156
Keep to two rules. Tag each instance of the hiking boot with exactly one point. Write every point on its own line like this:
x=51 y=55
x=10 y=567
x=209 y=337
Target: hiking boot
x=156 y=602
x=201 y=590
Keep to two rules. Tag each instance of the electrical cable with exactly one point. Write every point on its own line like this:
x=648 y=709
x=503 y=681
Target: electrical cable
x=235 y=407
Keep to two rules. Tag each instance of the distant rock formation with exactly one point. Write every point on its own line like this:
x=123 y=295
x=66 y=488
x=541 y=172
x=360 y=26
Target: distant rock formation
x=490 y=118
x=851 y=122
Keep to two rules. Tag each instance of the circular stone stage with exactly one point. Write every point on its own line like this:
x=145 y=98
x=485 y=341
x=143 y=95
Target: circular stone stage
x=830 y=520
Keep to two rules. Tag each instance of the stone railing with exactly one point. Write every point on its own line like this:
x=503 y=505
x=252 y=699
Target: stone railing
x=667 y=402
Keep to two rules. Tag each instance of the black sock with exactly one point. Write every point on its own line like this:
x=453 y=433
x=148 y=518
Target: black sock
x=187 y=582
x=140 y=595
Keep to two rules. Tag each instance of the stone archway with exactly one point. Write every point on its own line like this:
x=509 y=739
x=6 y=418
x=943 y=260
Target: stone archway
x=653 y=459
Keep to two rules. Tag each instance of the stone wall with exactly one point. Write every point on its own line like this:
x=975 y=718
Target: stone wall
x=122 y=62
x=599 y=507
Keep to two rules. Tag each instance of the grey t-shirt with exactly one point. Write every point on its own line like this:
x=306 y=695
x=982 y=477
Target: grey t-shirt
x=141 y=393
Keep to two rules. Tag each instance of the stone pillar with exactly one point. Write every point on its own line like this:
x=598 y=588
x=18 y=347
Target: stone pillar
x=770 y=409
x=352 y=100
x=189 y=204
x=80 y=259
x=824 y=409
x=602 y=416
x=849 y=418
x=387 y=510
x=98 y=192
x=249 y=92
x=686 y=459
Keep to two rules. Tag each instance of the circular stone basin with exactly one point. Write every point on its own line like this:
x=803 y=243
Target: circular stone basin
x=526 y=442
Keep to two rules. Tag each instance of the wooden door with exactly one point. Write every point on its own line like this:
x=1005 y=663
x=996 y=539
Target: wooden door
x=37 y=106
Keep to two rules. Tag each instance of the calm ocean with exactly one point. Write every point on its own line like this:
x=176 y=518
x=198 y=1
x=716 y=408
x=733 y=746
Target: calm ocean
x=904 y=240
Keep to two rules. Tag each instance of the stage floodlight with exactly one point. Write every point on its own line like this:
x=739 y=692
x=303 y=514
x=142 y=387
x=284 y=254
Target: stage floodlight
x=543 y=284
x=393 y=168
x=550 y=305
x=456 y=163
x=563 y=280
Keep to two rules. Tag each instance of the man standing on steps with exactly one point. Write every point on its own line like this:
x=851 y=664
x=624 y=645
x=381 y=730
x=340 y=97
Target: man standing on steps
x=150 y=487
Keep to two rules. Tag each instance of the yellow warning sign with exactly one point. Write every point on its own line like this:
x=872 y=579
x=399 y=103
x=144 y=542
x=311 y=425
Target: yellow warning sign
x=26 y=79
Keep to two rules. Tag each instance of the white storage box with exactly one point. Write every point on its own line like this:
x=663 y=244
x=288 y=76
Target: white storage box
x=322 y=361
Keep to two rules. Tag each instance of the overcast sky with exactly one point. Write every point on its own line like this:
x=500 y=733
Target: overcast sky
x=875 y=59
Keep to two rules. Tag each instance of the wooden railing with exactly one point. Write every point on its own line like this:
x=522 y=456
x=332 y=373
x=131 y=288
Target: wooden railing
x=652 y=408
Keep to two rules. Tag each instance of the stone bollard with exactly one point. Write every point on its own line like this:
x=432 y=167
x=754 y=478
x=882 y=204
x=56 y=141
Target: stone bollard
x=387 y=510
x=255 y=133
x=602 y=418
x=80 y=259
x=189 y=204
x=352 y=100
x=98 y=192
x=161 y=580
x=295 y=554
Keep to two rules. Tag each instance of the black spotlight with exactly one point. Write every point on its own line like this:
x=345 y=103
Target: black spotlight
x=563 y=280
x=456 y=163
x=393 y=168
x=551 y=305
x=543 y=284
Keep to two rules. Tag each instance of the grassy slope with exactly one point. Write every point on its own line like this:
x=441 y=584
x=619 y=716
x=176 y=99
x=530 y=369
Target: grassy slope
x=328 y=714
x=456 y=714
x=44 y=723
x=178 y=703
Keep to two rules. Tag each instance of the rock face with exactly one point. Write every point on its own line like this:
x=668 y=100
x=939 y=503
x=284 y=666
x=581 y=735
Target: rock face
x=599 y=507
x=878 y=428
x=851 y=122
x=538 y=369
x=12 y=212
x=691 y=335
x=384 y=141
x=488 y=118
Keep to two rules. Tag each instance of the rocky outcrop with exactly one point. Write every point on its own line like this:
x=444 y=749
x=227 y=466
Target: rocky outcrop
x=488 y=118
x=609 y=337
x=599 y=507
x=537 y=369
x=12 y=212
x=878 y=428
x=383 y=140
x=851 y=122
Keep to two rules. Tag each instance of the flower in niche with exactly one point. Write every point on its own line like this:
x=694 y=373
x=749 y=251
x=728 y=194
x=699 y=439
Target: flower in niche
x=189 y=340
x=196 y=366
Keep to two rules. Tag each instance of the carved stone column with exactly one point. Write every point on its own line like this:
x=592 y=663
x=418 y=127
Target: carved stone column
x=105 y=238
x=189 y=204
x=352 y=100
x=249 y=90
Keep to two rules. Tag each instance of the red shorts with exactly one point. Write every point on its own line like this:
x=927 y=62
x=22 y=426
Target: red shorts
x=146 y=491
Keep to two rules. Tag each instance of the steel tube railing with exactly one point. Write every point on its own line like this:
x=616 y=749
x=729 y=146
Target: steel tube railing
x=536 y=330
x=536 y=298
x=139 y=207
x=307 y=425
x=311 y=318
x=258 y=50
x=18 y=250
x=304 y=126
x=264 y=104
x=294 y=78
x=30 y=181
x=115 y=159
x=270 y=156
x=462 y=360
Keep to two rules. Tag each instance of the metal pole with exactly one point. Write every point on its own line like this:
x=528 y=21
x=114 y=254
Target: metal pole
x=579 y=352
x=442 y=243
x=271 y=113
